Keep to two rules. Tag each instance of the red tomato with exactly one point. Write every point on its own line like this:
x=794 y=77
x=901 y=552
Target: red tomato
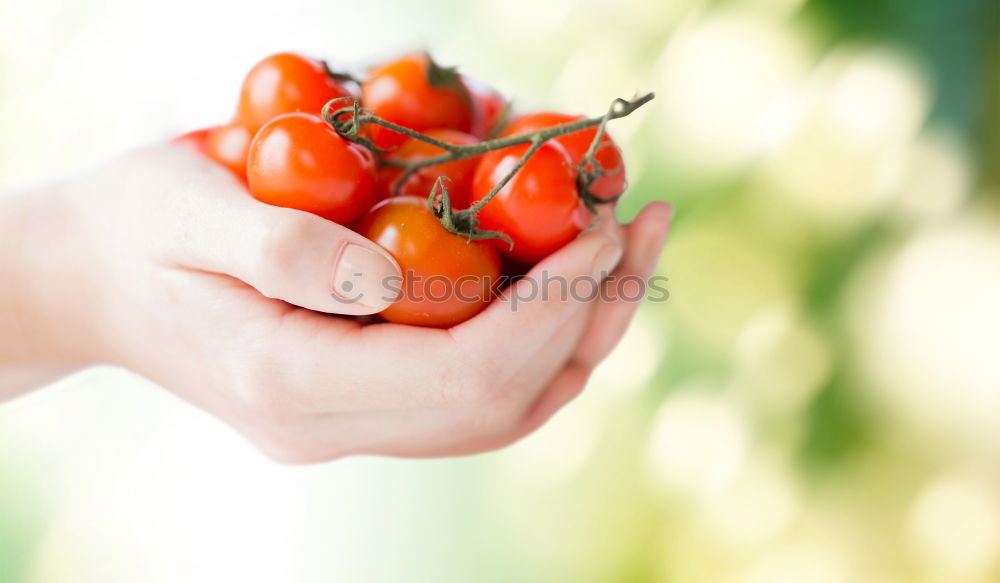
x=420 y=183
x=298 y=161
x=414 y=92
x=447 y=279
x=228 y=145
x=539 y=208
x=194 y=140
x=491 y=108
x=285 y=83
x=608 y=155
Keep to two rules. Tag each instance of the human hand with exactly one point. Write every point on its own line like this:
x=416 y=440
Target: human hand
x=178 y=274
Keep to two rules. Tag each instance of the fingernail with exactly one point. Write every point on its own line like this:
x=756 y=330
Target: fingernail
x=606 y=259
x=362 y=276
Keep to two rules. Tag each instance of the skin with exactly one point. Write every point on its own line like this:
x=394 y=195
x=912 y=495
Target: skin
x=160 y=262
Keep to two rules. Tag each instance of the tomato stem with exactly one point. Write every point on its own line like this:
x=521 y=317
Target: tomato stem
x=373 y=119
x=463 y=222
x=535 y=145
x=620 y=108
x=347 y=121
x=589 y=169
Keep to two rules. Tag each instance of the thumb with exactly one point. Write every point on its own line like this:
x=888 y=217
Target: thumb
x=284 y=253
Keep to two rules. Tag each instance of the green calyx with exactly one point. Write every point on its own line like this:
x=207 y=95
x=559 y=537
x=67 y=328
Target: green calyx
x=339 y=76
x=448 y=78
x=463 y=223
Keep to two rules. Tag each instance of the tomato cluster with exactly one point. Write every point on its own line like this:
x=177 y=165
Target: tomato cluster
x=284 y=146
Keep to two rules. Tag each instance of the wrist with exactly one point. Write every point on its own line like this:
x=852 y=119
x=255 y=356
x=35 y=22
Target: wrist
x=46 y=308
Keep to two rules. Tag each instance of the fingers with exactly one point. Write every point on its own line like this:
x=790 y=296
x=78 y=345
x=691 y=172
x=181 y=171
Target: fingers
x=623 y=292
x=566 y=387
x=419 y=433
x=285 y=254
x=526 y=315
x=500 y=422
x=465 y=366
x=386 y=367
x=610 y=316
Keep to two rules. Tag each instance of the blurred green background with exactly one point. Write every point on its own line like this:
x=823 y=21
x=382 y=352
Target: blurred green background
x=817 y=402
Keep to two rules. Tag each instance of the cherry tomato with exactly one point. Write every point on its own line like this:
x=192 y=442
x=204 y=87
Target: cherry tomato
x=285 y=83
x=420 y=183
x=539 y=208
x=608 y=155
x=228 y=145
x=298 y=161
x=414 y=92
x=447 y=279
x=194 y=140
x=491 y=109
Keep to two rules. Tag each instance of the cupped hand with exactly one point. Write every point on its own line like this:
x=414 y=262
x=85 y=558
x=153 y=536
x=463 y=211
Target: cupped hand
x=189 y=281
